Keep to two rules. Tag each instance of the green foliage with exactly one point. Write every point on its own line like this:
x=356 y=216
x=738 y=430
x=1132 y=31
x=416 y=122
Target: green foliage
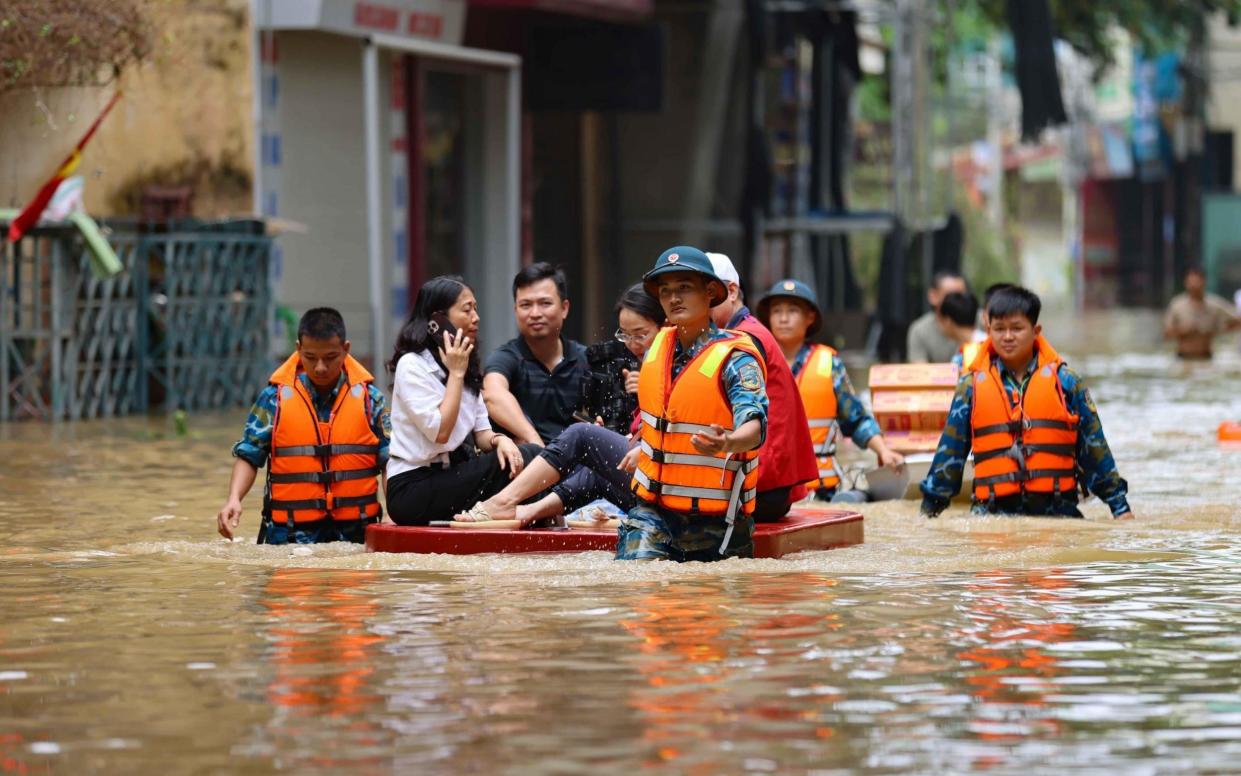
x=1087 y=24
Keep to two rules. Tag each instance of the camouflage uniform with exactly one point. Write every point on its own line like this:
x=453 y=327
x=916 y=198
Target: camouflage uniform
x=254 y=447
x=649 y=532
x=1096 y=468
x=855 y=420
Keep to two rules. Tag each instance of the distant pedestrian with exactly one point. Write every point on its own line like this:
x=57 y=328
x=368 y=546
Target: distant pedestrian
x=925 y=342
x=1195 y=318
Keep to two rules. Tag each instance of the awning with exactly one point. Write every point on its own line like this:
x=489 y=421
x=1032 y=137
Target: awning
x=611 y=10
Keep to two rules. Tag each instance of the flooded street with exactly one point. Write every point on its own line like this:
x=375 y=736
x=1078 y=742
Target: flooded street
x=134 y=639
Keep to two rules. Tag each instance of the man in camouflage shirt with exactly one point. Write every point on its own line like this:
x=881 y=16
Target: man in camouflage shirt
x=1014 y=332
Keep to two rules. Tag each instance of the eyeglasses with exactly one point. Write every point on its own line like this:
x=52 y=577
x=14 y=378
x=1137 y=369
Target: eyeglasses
x=624 y=338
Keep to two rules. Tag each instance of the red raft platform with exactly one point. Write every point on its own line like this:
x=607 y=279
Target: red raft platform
x=802 y=529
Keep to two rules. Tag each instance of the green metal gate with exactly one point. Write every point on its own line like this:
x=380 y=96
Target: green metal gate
x=186 y=324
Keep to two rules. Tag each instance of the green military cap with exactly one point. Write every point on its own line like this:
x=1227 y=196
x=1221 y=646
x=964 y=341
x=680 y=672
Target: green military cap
x=793 y=289
x=684 y=258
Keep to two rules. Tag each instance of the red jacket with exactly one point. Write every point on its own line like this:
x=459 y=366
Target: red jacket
x=786 y=458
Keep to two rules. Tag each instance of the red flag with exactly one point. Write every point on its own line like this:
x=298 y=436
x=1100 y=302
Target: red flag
x=30 y=214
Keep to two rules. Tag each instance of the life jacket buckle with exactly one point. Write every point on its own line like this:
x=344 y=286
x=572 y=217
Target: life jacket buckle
x=1017 y=454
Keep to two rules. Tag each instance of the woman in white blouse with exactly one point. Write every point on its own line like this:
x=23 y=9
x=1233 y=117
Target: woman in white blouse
x=438 y=416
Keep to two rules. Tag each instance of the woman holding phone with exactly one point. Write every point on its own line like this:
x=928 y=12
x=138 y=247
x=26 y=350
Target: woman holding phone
x=438 y=416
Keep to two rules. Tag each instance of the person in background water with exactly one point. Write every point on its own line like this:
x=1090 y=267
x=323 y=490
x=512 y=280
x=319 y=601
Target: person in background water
x=438 y=416
x=1195 y=318
x=788 y=452
x=925 y=342
x=703 y=402
x=1030 y=422
x=610 y=391
x=580 y=465
x=532 y=384
x=328 y=428
x=791 y=310
x=957 y=319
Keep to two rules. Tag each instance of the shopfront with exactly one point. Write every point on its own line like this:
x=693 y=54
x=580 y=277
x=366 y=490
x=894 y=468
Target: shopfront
x=391 y=154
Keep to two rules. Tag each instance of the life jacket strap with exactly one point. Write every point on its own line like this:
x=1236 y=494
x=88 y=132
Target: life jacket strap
x=1058 y=425
x=320 y=451
x=730 y=517
x=286 y=478
x=663 y=425
x=322 y=504
x=833 y=435
x=1012 y=427
x=690 y=459
x=1023 y=476
x=685 y=491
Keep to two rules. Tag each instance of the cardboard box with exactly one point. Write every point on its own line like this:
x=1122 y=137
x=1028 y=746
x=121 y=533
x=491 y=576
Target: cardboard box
x=907 y=442
x=905 y=376
x=916 y=410
x=912 y=397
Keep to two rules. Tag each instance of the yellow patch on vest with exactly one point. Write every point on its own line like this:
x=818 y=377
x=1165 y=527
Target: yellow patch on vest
x=653 y=353
x=711 y=364
x=825 y=364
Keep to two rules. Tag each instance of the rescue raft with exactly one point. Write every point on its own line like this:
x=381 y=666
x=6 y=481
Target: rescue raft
x=805 y=528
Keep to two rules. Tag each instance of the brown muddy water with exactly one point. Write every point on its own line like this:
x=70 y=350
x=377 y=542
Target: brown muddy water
x=133 y=639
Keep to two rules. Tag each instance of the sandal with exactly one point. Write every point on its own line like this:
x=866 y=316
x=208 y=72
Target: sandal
x=475 y=514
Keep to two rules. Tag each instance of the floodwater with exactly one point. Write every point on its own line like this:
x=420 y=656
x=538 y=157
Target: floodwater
x=133 y=639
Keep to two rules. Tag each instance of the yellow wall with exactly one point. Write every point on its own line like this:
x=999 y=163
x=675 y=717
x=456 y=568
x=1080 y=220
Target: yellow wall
x=185 y=113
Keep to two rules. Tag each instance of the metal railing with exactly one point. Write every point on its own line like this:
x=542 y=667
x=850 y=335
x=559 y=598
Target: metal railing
x=185 y=324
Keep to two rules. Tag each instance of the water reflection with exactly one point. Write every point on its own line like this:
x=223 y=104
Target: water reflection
x=322 y=655
x=133 y=639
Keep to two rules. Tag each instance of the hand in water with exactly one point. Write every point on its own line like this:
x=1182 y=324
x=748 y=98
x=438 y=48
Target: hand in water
x=891 y=459
x=1124 y=516
x=456 y=353
x=228 y=519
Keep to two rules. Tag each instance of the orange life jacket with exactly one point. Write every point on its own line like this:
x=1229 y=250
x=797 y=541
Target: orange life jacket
x=818 y=395
x=671 y=472
x=1025 y=443
x=317 y=469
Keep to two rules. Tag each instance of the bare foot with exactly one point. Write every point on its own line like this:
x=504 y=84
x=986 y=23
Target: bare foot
x=526 y=514
x=492 y=509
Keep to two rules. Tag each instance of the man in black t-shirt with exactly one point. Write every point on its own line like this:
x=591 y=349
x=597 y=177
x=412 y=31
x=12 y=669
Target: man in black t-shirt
x=532 y=384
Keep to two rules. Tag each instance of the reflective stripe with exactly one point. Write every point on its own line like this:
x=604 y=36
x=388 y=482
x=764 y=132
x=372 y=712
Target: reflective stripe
x=322 y=450
x=718 y=494
x=659 y=424
x=324 y=477
x=821 y=423
x=689 y=459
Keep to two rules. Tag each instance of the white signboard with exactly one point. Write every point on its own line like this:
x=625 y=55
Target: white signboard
x=442 y=21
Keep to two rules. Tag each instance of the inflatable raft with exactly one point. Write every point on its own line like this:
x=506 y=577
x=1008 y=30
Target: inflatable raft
x=808 y=528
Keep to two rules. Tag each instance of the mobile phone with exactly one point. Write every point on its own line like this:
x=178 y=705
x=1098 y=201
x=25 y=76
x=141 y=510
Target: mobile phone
x=440 y=327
